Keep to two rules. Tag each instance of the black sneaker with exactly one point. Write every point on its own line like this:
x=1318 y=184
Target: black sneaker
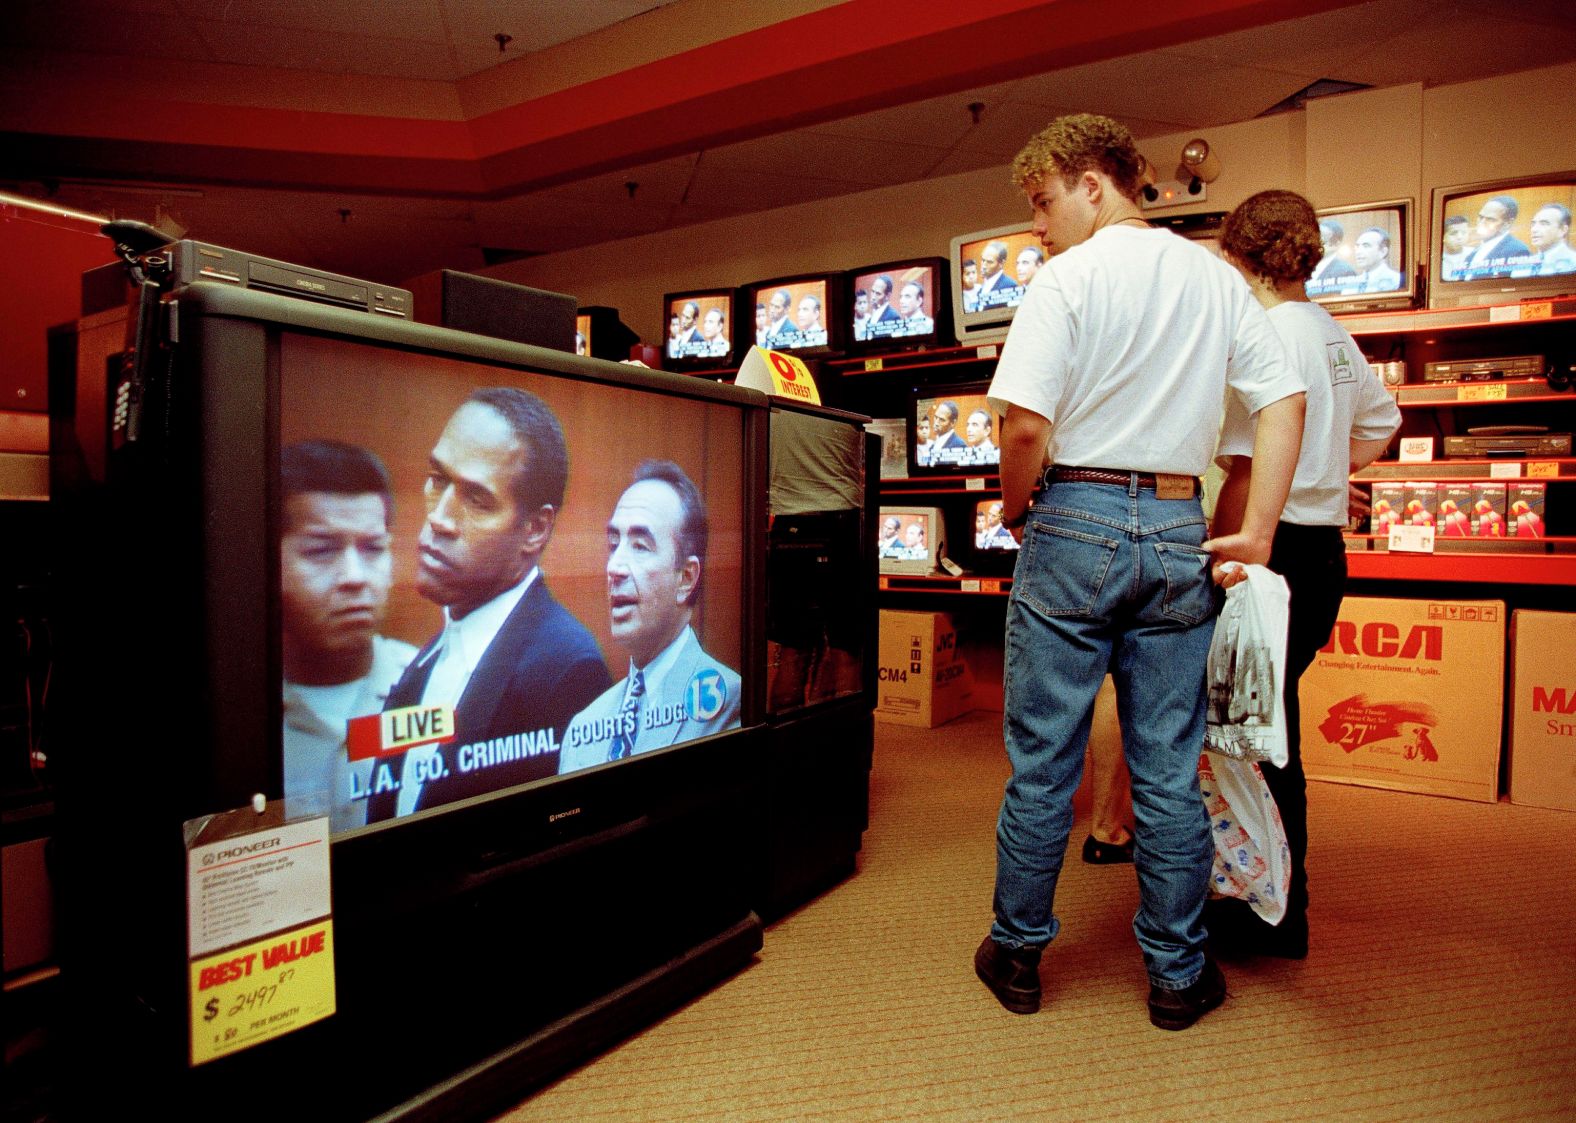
x=1178 y=1009
x=1012 y=974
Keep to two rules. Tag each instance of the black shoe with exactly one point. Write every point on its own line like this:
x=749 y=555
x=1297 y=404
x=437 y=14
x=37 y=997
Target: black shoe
x=1098 y=853
x=1013 y=974
x=1178 y=1009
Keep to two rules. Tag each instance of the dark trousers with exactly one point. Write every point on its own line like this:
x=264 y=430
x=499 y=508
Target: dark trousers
x=1312 y=559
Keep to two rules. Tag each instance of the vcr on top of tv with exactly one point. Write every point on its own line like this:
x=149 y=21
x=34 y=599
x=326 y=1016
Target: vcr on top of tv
x=197 y=261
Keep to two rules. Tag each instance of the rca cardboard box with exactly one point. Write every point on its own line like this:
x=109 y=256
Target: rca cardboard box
x=1410 y=695
x=1543 y=709
x=920 y=680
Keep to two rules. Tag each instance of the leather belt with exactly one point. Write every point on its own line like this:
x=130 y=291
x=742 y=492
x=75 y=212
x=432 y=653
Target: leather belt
x=1164 y=485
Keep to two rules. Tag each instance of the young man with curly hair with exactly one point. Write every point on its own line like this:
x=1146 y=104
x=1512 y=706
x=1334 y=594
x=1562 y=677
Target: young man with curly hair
x=1111 y=382
x=1273 y=241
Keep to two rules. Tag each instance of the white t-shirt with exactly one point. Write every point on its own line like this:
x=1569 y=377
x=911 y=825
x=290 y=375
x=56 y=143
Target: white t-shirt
x=1346 y=400
x=1127 y=344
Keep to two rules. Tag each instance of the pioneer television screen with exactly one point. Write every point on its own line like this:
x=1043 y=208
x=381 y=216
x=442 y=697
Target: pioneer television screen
x=1369 y=261
x=989 y=533
x=909 y=540
x=898 y=303
x=486 y=556
x=994 y=271
x=1507 y=231
x=700 y=328
x=954 y=431
x=797 y=313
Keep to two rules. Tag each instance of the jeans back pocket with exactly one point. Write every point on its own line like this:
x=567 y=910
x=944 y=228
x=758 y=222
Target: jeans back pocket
x=1062 y=571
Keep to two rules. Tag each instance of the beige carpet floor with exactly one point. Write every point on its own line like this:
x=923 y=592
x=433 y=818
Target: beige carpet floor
x=1441 y=984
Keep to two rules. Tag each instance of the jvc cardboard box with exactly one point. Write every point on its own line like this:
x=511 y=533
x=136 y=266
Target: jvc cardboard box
x=920 y=680
x=1543 y=709
x=1408 y=694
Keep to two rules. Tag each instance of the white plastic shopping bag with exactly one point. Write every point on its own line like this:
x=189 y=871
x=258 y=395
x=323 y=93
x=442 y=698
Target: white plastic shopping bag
x=1252 y=859
x=1247 y=667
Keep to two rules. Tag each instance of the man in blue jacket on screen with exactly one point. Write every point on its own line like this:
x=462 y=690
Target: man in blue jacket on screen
x=674 y=691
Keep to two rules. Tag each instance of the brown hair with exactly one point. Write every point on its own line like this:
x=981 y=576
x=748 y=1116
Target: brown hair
x=1275 y=235
x=1070 y=146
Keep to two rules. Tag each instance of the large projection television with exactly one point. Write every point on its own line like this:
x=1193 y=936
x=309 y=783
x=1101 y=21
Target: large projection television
x=575 y=857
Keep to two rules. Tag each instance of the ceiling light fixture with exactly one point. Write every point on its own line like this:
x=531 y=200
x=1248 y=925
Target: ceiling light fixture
x=503 y=39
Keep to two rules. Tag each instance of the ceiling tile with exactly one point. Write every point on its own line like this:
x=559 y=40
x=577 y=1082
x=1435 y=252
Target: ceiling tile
x=936 y=122
x=757 y=190
x=808 y=153
x=1162 y=86
x=1452 y=48
x=421 y=20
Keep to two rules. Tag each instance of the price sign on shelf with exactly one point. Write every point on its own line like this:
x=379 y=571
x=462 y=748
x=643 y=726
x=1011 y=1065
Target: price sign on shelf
x=1417 y=449
x=1406 y=539
x=1484 y=393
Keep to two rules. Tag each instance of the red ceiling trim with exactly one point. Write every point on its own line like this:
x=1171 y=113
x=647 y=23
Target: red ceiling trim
x=853 y=57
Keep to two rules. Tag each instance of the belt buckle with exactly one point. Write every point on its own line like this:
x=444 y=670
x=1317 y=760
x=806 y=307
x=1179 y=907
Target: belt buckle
x=1173 y=487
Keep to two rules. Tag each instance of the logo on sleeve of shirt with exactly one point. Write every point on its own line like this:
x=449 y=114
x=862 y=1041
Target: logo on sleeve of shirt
x=1342 y=366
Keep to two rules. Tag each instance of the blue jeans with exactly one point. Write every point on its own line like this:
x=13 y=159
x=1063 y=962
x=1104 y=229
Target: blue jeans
x=1109 y=580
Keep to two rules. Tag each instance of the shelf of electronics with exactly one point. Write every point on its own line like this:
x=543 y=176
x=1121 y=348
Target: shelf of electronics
x=1499 y=562
x=1466 y=471
x=1471 y=316
x=896 y=487
x=967 y=584
x=916 y=360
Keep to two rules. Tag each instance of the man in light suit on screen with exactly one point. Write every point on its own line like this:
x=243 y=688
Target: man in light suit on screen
x=673 y=691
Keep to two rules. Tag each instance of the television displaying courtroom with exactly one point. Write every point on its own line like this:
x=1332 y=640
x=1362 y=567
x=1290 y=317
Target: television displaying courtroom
x=540 y=689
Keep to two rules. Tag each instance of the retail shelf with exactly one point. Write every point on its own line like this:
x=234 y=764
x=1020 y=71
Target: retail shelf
x=1469 y=471
x=1542 y=561
x=915 y=360
x=1448 y=319
x=1518 y=391
x=894 y=488
x=967 y=585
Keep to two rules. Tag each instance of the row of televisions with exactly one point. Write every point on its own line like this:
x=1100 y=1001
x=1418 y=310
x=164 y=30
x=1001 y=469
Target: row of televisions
x=1491 y=242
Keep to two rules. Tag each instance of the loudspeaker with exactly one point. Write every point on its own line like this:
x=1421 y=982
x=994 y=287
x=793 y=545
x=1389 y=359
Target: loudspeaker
x=1394 y=374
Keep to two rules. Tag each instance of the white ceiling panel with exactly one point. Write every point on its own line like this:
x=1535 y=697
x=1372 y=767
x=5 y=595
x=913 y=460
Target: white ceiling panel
x=812 y=154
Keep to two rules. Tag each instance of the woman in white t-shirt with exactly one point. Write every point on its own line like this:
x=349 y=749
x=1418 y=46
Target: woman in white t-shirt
x=1273 y=241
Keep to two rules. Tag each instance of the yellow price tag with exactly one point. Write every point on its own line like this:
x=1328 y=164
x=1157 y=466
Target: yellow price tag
x=1543 y=469
x=261 y=990
x=1495 y=393
x=872 y=365
x=1539 y=310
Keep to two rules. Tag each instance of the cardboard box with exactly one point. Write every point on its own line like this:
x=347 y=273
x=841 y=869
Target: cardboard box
x=1488 y=510
x=1524 y=509
x=1410 y=695
x=920 y=679
x=1543 y=709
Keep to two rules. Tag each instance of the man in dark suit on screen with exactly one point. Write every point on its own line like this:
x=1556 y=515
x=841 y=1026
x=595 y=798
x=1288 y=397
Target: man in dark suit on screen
x=511 y=661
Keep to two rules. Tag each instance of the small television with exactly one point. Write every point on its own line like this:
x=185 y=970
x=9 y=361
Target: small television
x=910 y=540
x=702 y=329
x=1370 y=258
x=953 y=431
x=994 y=549
x=600 y=334
x=1502 y=240
x=990 y=269
x=803 y=314
x=898 y=305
